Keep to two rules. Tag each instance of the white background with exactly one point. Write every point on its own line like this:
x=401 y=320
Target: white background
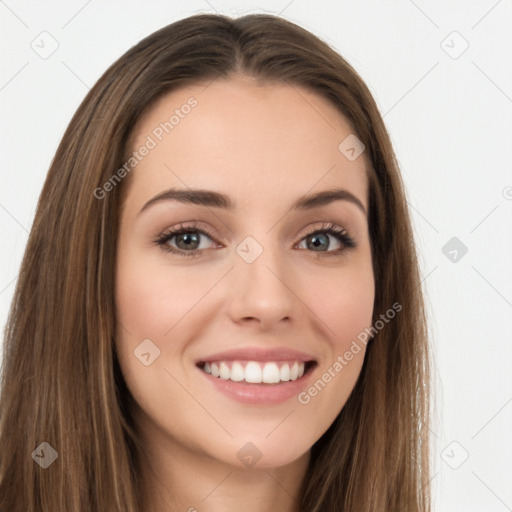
x=450 y=120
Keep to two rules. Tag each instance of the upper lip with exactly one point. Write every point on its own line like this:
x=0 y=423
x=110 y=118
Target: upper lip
x=258 y=354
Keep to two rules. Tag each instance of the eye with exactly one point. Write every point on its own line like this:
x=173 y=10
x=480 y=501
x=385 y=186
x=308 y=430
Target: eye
x=320 y=239
x=186 y=240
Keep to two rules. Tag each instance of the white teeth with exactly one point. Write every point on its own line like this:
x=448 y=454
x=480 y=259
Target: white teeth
x=253 y=372
x=237 y=372
x=215 y=370
x=294 y=371
x=256 y=372
x=271 y=373
x=285 y=372
x=224 y=371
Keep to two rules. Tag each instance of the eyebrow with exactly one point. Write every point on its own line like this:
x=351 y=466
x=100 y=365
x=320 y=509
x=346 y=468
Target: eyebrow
x=213 y=199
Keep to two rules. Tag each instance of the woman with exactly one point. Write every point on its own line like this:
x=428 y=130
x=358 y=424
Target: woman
x=174 y=342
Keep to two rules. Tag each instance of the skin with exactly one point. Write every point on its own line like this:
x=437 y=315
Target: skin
x=264 y=146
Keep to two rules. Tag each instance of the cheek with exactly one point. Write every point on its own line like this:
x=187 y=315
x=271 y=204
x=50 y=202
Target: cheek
x=152 y=303
x=343 y=301
x=344 y=305
x=151 y=298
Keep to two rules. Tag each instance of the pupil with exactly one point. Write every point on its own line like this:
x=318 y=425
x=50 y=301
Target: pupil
x=317 y=242
x=188 y=239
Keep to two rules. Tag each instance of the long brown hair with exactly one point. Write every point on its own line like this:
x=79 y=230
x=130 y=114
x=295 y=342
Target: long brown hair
x=61 y=382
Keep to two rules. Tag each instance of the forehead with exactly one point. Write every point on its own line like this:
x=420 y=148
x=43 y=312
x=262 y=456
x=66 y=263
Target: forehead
x=245 y=138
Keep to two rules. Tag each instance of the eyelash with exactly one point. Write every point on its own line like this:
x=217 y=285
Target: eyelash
x=332 y=229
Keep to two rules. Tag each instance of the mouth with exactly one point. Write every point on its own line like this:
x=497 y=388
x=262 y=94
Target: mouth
x=258 y=372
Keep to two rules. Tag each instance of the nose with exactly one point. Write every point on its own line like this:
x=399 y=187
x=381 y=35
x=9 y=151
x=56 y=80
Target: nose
x=262 y=291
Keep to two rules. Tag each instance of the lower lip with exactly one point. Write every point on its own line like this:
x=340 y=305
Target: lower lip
x=259 y=394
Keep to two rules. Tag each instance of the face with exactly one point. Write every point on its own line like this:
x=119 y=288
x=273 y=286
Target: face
x=237 y=308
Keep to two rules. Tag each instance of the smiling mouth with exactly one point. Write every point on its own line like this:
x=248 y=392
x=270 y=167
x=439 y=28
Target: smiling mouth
x=258 y=372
